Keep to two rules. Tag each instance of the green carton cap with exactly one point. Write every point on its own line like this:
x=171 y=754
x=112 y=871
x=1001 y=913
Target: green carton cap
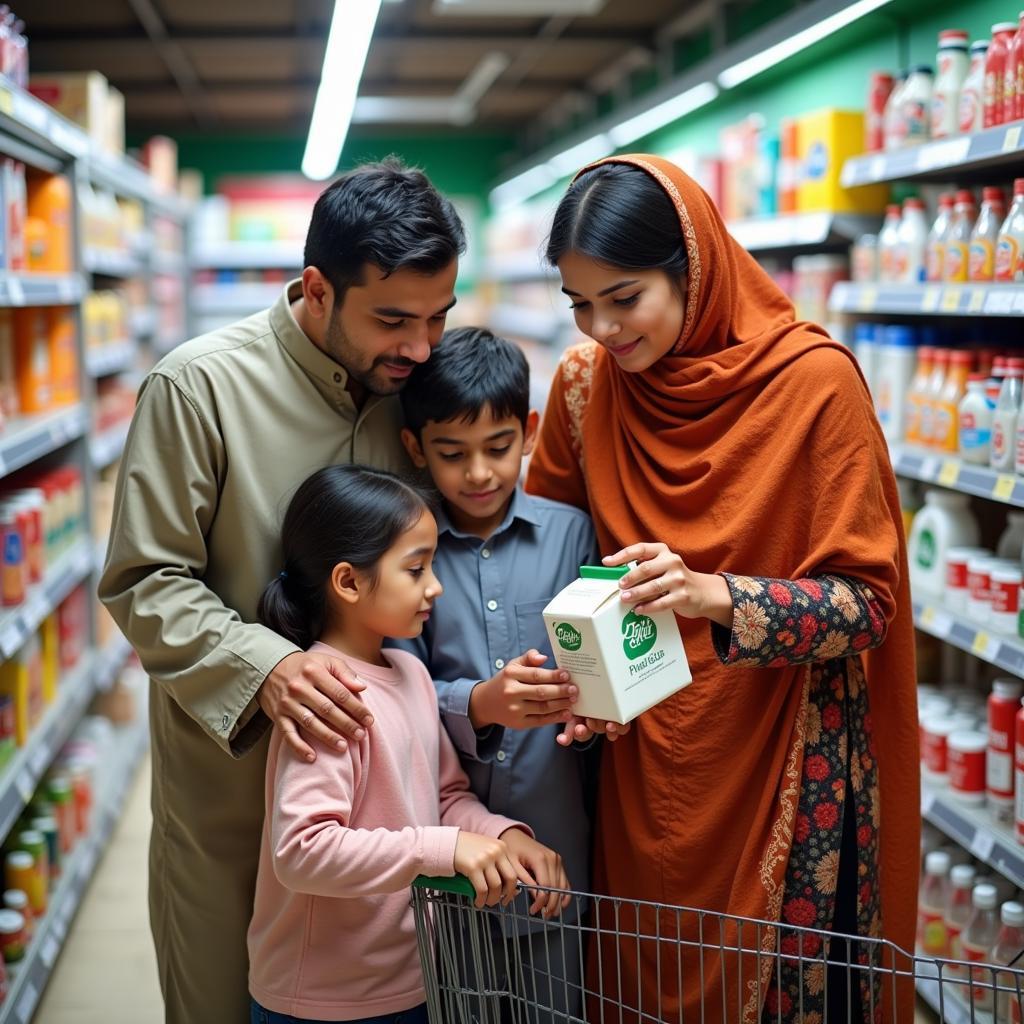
x=603 y=572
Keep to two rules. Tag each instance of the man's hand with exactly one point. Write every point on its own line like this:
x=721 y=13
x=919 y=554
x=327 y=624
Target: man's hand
x=546 y=867
x=579 y=730
x=523 y=695
x=314 y=692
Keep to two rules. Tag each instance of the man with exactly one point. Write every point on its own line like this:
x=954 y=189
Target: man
x=226 y=427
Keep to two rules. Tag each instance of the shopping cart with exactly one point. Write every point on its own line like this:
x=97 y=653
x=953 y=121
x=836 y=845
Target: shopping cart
x=705 y=967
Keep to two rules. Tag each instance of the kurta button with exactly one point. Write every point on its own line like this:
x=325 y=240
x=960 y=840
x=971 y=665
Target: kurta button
x=500 y=755
x=499 y=663
x=337 y=378
x=492 y=606
x=486 y=553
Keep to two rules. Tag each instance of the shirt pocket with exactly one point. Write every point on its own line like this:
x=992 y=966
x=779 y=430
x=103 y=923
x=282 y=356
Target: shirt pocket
x=530 y=631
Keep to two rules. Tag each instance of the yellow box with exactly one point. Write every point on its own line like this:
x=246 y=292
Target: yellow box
x=81 y=96
x=825 y=140
x=49 y=636
x=21 y=680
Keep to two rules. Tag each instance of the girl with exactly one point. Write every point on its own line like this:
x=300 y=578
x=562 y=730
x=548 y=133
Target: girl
x=332 y=936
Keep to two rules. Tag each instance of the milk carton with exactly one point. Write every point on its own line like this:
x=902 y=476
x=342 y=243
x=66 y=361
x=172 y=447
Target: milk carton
x=623 y=663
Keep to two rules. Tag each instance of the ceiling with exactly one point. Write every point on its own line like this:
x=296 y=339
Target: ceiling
x=237 y=66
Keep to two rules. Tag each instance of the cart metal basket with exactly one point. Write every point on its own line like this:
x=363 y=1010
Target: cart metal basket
x=501 y=966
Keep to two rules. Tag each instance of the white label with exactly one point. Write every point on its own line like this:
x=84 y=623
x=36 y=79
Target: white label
x=998 y=773
x=16 y=292
x=49 y=951
x=27 y=1002
x=982 y=844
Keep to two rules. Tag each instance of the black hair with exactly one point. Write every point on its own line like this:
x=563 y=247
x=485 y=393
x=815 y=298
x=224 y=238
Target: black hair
x=339 y=514
x=470 y=369
x=618 y=214
x=386 y=214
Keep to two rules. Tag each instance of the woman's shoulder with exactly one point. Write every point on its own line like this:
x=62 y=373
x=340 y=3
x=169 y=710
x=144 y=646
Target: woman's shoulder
x=822 y=369
x=577 y=363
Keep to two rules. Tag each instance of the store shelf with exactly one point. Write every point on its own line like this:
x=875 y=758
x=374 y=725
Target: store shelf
x=17 y=624
x=956 y=475
x=41 y=289
x=127 y=178
x=34 y=132
x=112 y=263
x=241 y=299
x=248 y=256
x=106 y=447
x=29 y=978
x=1005 y=652
x=522 y=322
x=20 y=778
x=109 y=661
x=519 y=268
x=27 y=438
x=811 y=231
x=163 y=262
x=928 y=299
x=941 y=160
x=110 y=359
x=143 y=323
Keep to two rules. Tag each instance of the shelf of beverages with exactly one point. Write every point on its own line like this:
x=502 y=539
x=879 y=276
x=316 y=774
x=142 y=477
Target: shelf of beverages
x=108 y=359
x=26 y=119
x=1002 y=300
x=112 y=263
x=812 y=231
x=955 y=474
x=25 y=439
x=229 y=255
x=27 y=289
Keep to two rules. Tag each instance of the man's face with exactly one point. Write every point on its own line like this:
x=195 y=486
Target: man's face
x=386 y=325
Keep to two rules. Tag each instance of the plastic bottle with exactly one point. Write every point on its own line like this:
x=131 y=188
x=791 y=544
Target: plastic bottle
x=1003 y=703
x=888 y=243
x=866 y=352
x=995 y=71
x=958 y=242
x=1011 y=238
x=982 y=258
x=1018 y=776
x=953 y=63
x=958 y=913
x=978 y=939
x=911 y=243
x=945 y=522
x=893 y=117
x=50 y=200
x=1004 y=419
x=32 y=359
x=880 y=87
x=972 y=95
x=930 y=398
x=1013 y=99
x=1009 y=943
x=916 y=105
x=916 y=394
x=931 y=904
x=946 y=425
x=975 y=418
x=894 y=374
x=935 y=253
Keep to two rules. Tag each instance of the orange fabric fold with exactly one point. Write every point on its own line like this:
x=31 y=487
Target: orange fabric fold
x=751 y=448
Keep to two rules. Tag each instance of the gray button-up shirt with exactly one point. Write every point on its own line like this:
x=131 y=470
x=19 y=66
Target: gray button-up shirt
x=490 y=613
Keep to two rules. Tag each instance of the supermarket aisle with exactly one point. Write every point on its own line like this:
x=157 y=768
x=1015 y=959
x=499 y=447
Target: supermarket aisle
x=107 y=972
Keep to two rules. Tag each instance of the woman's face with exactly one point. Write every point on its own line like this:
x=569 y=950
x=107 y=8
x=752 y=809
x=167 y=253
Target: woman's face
x=637 y=315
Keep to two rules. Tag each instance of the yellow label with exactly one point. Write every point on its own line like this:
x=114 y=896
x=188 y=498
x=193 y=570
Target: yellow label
x=950 y=300
x=977 y=301
x=949 y=473
x=6 y=102
x=980 y=645
x=1004 y=487
x=928 y=616
x=1011 y=140
x=868 y=299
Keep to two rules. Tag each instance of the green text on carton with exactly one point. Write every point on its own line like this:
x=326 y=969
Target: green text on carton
x=623 y=663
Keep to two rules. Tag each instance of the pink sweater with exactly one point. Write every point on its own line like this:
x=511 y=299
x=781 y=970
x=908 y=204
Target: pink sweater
x=332 y=935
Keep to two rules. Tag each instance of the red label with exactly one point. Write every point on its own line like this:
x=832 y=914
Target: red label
x=979 y=584
x=956 y=571
x=981 y=978
x=966 y=770
x=933 y=752
x=1006 y=596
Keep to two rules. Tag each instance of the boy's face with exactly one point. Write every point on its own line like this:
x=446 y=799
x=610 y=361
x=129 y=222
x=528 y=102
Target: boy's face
x=475 y=466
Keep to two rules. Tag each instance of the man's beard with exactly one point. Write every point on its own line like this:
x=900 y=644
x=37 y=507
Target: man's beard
x=373 y=378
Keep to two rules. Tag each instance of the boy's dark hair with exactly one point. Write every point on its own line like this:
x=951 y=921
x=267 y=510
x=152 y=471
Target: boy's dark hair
x=470 y=369
x=339 y=514
x=386 y=214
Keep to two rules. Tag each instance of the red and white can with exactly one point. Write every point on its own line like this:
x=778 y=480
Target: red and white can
x=935 y=732
x=1004 y=586
x=965 y=754
x=956 y=575
x=1003 y=704
x=979 y=584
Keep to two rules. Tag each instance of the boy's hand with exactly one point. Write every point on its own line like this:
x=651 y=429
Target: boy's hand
x=491 y=867
x=523 y=695
x=546 y=867
x=579 y=730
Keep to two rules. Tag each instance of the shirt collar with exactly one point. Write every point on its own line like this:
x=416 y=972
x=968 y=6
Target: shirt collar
x=522 y=507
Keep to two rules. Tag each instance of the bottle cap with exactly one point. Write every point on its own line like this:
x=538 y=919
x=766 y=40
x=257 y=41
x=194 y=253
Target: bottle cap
x=1018 y=186
x=946 y=199
x=913 y=203
x=984 y=896
x=953 y=36
x=979 y=46
x=1004 y=26
x=962 y=875
x=892 y=210
x=900 y=336
x=961 y=357
x=964 y=195
x=1012 y=914
x=927 y=69
x=11 y=922
x=991 y=194
x=1007 y=689
x=977 y=378
x=937 y=863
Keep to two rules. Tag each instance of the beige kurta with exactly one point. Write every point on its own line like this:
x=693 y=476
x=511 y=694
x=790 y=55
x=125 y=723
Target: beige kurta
x=226 y=428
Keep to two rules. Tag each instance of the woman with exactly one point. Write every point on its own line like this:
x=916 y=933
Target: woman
x=734 y=452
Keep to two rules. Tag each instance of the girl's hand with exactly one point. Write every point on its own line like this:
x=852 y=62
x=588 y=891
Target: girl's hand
x=579 y=730
x=662 y=582
x=546 y=867
x=491 y=867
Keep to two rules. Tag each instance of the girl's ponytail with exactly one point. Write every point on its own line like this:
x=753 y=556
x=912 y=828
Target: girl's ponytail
x=281 y=611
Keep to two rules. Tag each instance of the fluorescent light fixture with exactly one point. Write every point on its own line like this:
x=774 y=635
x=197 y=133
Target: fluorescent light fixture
x=583 y=153
x=352 y=25
x=518 y=8
x=663 y=114
x=522 y=186
x=773 y=55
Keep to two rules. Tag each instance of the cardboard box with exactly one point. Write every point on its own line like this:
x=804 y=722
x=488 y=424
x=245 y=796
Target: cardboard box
x=623 y=663
x=115 y=122
x=826 y=139
x=80 y=96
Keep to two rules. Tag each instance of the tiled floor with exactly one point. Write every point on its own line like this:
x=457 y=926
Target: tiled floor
x=106 y=973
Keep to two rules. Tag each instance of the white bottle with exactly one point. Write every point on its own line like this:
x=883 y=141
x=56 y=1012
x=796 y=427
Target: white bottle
x=978 y=939
x=867 y=352
x=912 y=243
x=916 y=105
x=1011 y=540
x=893 y=117
x=945 y=522
x=1010 y=244
x=888 y=244
x=1009 y=943
x=894 y=373
x=935 y=258
x=972 y=95
x=975 y=418
x=953 y=62
x=1004 y=419
x=958 y=913
x=931 y=904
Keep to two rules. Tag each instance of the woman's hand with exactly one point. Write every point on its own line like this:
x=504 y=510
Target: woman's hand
x=662 y=582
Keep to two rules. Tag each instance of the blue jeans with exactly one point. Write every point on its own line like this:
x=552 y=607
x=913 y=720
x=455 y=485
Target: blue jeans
x=417 y=1015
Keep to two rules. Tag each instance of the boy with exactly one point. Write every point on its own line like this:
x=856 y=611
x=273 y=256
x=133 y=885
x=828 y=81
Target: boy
x=502 y=555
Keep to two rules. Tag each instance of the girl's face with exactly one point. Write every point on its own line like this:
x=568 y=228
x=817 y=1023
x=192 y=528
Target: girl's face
x=637 y=315
x=400 y=602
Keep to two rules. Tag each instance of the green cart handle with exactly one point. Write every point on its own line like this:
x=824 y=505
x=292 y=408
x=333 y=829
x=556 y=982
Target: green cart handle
x=458 y=884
